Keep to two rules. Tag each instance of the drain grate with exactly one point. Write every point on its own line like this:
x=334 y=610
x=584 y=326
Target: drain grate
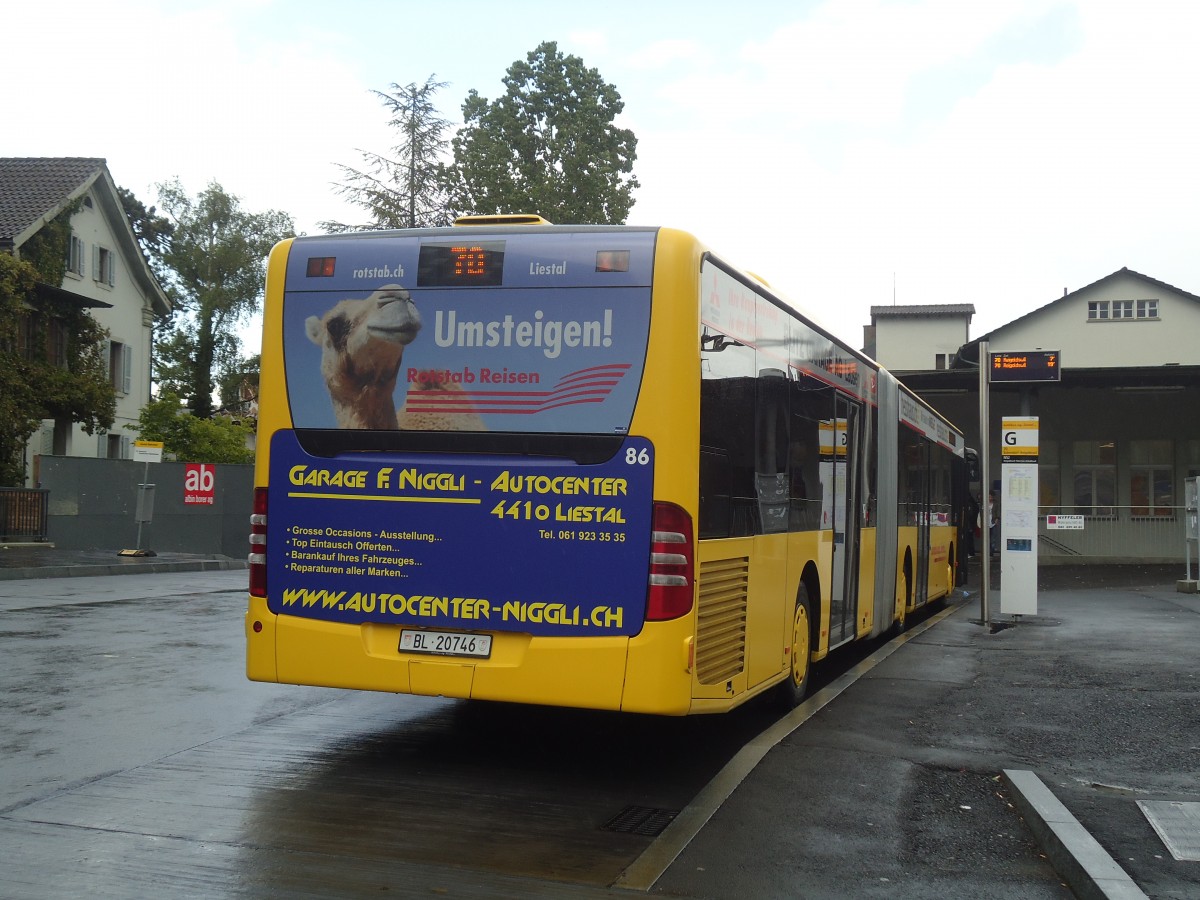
x=644 y=820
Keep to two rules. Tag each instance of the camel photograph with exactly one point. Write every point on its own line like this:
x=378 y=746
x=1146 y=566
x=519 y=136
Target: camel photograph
x=362 y=346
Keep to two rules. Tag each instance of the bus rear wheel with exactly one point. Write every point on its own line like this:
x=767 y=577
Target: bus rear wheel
x=792 y=690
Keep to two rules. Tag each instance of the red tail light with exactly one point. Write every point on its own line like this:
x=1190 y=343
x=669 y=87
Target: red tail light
x=258 y=544
x=672 y=564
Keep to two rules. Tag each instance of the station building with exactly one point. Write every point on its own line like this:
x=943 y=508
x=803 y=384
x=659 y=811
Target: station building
x=1118 y=433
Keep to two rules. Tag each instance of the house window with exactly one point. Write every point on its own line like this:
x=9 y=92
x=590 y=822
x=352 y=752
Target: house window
x=1095 y=477
x=1152 y=478
x=1104 y=310
x=104 y=264
x=75 y=257
x=120 y=366
x=57 y=336
x=36 y=333
x=1191 y=458
x=61 y=439
x=27 y=335
x=114 y=446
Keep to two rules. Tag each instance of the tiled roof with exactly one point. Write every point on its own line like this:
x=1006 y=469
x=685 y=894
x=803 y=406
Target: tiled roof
x=928 y=309
x=32 y=188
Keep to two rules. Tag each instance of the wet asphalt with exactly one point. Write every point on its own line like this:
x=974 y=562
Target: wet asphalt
x=1029 y=758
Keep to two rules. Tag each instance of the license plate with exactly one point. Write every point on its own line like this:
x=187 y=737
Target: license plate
x=446 y=643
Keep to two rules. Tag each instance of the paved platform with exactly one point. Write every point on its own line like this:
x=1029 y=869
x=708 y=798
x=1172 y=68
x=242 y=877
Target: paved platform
x=1012 y=760
x=23 y=561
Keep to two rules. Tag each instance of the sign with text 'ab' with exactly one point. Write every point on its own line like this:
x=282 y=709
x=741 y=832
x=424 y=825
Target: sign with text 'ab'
x=199 y=484
x=1025 y=365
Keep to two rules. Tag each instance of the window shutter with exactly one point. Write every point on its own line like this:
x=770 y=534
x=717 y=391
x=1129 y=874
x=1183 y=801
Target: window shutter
x=127 y=360
x=95 y=262
x=112 y=270
x=124 y=447
x=102 y=446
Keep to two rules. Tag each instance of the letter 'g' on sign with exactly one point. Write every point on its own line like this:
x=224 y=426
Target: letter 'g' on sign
x=199 y=484
x=1019 y=439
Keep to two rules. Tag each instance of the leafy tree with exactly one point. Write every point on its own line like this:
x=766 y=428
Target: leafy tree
x=153 y=232
x=405 y=189
x=52 y=361
x=242 y=375
x=191 y=439
x=547 y=146
x=215 y=260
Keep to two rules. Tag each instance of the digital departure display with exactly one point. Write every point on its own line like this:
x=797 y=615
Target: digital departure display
x=1026 y=365
x=462 y=263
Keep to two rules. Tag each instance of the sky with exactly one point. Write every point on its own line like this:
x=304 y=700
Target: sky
x=852 y=153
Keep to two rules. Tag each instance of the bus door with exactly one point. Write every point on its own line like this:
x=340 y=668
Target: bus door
x=924 y=519
x=843 y=605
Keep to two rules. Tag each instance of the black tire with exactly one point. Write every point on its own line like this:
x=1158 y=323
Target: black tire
x=794 y=688
x=900 y=624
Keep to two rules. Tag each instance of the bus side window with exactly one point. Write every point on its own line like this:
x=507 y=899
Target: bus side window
x=811 y=402
x=771 y=477
x=727 y=429
x=715 y=514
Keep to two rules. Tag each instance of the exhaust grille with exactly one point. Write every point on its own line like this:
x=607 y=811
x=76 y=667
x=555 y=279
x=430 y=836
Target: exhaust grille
x=721 y=619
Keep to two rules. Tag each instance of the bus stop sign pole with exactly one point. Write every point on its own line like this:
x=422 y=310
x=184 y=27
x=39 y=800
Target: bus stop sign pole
x=147 y=452
x=985 y=460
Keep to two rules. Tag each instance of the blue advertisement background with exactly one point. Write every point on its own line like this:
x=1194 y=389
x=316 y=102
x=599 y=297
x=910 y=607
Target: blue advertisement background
x=574 y=292
x=508 y=572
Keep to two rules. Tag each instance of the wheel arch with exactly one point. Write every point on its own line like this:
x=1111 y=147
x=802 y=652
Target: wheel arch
x=810 y=578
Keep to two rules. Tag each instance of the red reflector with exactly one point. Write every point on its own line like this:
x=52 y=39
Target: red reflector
x=612 y=260
x=321 y=266
x=672 y=566
x=258 y=544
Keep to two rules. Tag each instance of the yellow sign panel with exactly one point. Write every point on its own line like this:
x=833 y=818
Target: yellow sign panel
x=1019 y=438
x=147 y=451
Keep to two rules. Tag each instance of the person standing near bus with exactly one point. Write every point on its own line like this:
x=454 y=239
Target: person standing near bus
x=971 y=534
x=993 y=522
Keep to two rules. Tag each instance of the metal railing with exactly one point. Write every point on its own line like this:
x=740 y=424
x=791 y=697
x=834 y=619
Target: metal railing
x=1113 y=534
x=24 y=514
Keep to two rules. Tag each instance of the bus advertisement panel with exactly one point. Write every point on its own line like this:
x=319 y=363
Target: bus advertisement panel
x=543 y=547
x=535 y=334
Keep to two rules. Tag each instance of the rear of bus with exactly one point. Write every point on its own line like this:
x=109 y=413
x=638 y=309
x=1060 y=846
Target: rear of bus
x=469 y=479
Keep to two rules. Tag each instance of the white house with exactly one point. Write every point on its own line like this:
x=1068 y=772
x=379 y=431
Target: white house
x=106 y=272
x=1119 y=432
x=918 y=337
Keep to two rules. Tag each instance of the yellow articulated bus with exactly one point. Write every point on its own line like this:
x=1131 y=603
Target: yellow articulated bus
x=588 y=466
